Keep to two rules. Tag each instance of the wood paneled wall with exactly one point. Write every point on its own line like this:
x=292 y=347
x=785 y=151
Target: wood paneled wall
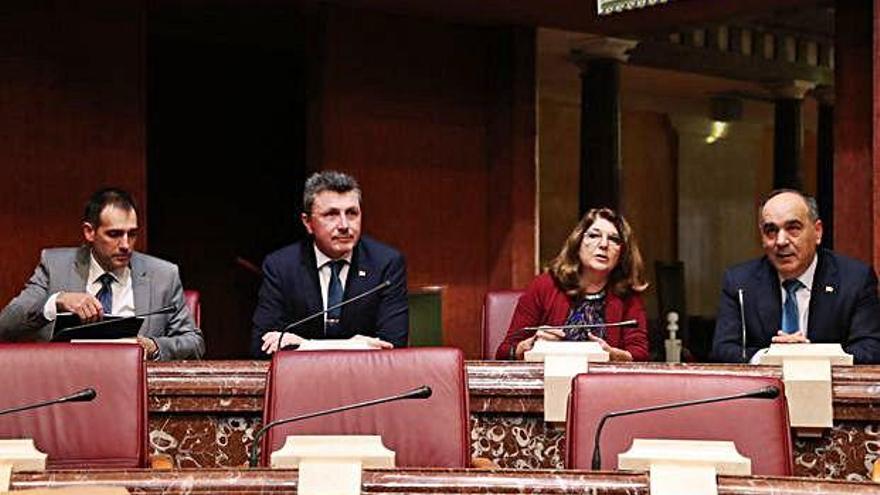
x=71 y=120
x=435 y=119
x=855 y=195
x=437 y=122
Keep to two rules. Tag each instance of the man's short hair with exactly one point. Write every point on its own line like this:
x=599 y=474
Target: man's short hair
x=812 y=205
x=110 y=196
x=328 y=180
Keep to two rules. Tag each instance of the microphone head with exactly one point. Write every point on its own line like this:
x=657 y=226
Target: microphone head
x=422 y=392
x=84 y=395
x=770 y=392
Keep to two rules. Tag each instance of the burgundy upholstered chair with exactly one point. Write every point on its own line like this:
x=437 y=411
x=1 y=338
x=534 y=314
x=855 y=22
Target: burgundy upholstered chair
x=191 y=298
x=759 y=427
x=498 y=310
x=424 y=433
x=108 y=432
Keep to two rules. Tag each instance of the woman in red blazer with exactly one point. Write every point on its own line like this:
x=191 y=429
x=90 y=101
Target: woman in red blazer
x=596 y=278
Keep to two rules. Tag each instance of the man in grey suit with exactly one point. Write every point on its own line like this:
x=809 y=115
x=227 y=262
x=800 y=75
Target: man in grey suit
x=106 y=276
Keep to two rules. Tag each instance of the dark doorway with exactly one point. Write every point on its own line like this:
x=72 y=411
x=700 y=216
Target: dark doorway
x=226 y=127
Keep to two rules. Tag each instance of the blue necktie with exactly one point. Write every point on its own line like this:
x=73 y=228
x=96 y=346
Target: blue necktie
x=334 y=297
x=790 y=317
x=105 y=294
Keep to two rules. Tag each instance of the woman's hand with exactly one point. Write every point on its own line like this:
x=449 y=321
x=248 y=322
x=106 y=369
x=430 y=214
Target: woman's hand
x=542 y=334
x=614 y=353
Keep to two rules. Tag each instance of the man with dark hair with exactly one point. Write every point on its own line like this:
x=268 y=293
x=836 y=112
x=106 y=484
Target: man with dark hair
x=106 y=276
x=334 y=264
x=797 y=293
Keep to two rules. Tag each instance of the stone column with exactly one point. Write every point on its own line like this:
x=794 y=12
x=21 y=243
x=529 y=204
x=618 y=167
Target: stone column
x=788 y=135
x=599 y=60
x=824 y=95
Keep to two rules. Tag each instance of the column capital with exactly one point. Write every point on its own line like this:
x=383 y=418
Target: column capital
x=796 y=89
x=824 y=94
x=602 y=47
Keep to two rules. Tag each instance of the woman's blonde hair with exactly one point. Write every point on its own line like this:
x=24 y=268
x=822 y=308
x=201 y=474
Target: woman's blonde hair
x=627 y=277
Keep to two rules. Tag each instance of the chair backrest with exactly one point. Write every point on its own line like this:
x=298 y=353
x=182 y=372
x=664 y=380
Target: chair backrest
x=498 y=310
x=759 y=427
x=423 y=433
x=108 y=432
x=191 y=299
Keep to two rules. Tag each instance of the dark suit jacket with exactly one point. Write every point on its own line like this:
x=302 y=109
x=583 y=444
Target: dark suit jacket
x=844 y=308
x=291 y=291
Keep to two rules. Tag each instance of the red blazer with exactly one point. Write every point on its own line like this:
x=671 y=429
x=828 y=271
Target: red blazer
x=545 y=304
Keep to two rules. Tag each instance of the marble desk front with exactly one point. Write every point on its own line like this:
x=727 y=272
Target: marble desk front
x=421 y=481
x=204 y=414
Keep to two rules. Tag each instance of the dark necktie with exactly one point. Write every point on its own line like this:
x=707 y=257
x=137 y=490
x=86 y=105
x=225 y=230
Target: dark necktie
x=334 y=297
x=105 y=294
x=790 y=316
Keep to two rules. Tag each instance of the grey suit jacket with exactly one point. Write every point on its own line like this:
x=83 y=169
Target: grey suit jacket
x=155 y=283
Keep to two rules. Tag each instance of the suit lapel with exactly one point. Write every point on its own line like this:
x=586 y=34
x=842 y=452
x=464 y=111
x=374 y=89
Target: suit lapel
x=314 y=299
x=358 y=274
x=79 y=272
x=768 y=299
x=821 y=298
x=141 y=286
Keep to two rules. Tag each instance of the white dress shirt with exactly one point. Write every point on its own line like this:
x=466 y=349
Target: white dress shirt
x=803 y=301
x=123 y=295
x=322 y=262
x=803 y=294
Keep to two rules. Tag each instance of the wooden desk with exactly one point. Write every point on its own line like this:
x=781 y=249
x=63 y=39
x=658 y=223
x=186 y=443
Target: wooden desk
x=425 y=481
x=205 y=413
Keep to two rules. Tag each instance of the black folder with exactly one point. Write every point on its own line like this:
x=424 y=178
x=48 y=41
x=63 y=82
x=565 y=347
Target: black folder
x=68 y=327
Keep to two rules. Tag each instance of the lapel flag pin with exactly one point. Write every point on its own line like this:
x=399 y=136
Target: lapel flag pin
x=362 y=273
x=828 y=288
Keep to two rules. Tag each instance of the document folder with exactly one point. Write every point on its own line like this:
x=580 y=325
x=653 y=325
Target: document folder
x=68 y=327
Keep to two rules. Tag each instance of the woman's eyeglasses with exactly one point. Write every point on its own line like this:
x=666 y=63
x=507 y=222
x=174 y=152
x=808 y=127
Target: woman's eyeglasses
x=594 y=237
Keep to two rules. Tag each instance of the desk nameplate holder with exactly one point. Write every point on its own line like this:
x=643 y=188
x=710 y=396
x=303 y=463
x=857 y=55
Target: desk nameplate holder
x=18 y=454
x=336 y=345
x=684 y=466
x=562 y=361
x=332 y=464
x=806 y=372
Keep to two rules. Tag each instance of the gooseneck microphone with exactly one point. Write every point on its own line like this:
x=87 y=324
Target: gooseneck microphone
x=84 y=395
x=422 y=392
x=625 y=323
x=288 y=328
x=742 y=319
x=770 y=392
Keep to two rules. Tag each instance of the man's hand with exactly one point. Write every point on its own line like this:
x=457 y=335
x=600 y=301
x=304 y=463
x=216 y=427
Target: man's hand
x=270 y=341
x=151 y=350
x=86 y=306
x=790 y=338
x=374 y=342
x=541 y=334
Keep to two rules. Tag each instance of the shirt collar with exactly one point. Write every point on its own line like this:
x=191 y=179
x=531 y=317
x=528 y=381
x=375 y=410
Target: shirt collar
x=96 y=270
x=806 y=278
x=322 y=259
